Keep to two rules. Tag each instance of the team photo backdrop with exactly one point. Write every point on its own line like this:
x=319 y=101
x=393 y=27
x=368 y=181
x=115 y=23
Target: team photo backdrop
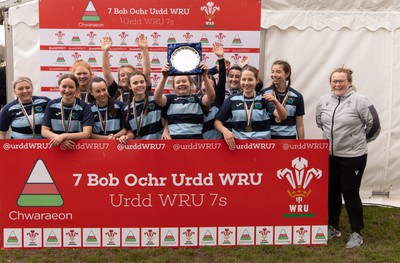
x=71 y=30
x=163 y=193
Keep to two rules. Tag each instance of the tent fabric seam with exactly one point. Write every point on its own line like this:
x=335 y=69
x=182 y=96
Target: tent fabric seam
x=335 y=20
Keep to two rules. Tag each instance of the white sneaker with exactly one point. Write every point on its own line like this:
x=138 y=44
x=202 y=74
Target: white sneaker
x=355 y=240
x=333 y=232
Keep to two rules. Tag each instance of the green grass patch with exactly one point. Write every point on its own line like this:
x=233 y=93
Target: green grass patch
x=381 y=244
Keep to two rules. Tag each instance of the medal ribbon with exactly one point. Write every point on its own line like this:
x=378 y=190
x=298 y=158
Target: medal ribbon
x=104 y=121
x=66 y=127
x=248 y=116
x=138 y=122
x=284 y=99
x=277 y=96
x=31 y=120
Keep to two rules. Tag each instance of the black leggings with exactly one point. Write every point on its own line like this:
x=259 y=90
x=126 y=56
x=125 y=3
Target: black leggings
x=345 y=176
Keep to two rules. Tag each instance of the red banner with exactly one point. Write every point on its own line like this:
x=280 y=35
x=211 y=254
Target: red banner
x=71 y=30
x=163 y=193
x=150 y=14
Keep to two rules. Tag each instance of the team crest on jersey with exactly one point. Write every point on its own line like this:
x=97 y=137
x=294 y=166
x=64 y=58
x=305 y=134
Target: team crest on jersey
x=38 y=109
x=257 y=105
x=190 y=99
x=75 y=116
x=290 y=100
x=152 y=106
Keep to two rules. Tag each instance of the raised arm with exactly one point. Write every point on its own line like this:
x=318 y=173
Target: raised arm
x=220 y=88
x=105 y=58
x=245 y=61
x=209 y=97
x=144 y=47
x=159 y=96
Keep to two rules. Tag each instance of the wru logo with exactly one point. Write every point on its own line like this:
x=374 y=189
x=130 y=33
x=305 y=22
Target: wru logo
x=299 y=177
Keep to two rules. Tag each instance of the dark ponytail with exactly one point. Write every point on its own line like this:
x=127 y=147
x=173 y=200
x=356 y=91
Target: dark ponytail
x=130 y=99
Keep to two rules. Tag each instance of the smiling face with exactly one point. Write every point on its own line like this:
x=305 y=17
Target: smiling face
x=84 y=76
x=279 y=76
x=137 y=84
x=248 y=83
x=340 y=83
x=100 y=92
x=123 y=74
x=67 y=90
x=182 y=85
x=234 y=78
x=23 y=90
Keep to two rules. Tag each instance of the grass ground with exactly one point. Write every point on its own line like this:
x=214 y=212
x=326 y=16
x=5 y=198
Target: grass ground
x=381 y=244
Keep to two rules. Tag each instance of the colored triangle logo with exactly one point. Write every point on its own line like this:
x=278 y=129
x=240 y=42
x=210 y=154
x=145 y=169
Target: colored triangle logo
x=92 y=59
x=245 y=236
x=207 y=236
x=171 y=39
x=75 y=38
x=40 y=189
x=236 y=40
x=155 y=60
x=90 y=13
x=283 y=236
x=169 y=237
x=60 y=58
x=91 y=237
x=123 y=59
x=320 y=235
x=52 y=238
x=130 y=237
x=12 y=238
x=204 y=39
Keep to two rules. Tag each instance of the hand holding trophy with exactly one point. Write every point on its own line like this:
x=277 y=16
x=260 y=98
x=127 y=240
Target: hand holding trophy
x=184 y=59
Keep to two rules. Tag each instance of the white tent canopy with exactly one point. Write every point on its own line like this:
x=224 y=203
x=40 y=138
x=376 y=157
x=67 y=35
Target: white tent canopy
x=336 y=15
x=22 y=43
x=314 y=36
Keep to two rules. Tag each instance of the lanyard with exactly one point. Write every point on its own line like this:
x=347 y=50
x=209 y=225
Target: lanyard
x=103 y=121
x=284 y=99
x=249 y=128
x=68 y=126
x=31 y=120
x=277 y=119
x=138 y=122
